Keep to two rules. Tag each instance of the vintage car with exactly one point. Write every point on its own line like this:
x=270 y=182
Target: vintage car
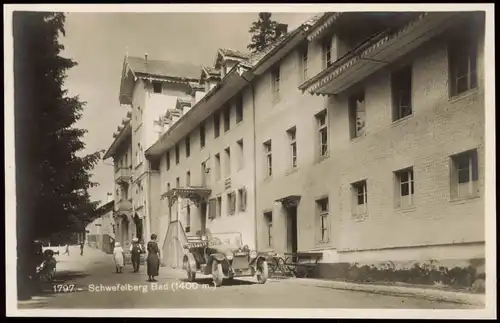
x=223 y=258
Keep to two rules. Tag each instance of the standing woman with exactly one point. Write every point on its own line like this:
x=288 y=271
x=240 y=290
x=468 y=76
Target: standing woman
x=153 y=258
x=119 y=257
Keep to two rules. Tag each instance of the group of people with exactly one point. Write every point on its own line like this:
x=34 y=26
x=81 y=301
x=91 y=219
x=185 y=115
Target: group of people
x=153 y=258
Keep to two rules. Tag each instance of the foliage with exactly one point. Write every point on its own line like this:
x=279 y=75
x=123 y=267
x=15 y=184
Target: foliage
x=263 y=32
x=47 y=143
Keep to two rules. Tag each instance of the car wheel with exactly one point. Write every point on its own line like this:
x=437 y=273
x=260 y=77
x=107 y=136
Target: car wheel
x=262 y=272
x=217 y=274
x=191 y=276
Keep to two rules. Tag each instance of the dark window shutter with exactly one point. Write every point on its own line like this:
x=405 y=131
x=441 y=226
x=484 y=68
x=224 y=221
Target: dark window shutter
x=212 y=206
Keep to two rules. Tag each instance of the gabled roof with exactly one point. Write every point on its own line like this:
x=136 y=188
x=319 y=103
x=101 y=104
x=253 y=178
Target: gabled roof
x=225 y=53
x=233 y=53
x=139 y=65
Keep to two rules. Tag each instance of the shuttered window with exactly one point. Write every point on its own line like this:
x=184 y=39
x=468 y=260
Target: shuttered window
x=212 y=208
x=242 y=195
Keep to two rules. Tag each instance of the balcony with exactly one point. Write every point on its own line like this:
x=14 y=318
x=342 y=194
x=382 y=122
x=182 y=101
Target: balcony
x=123 y=175
x=377 y=52
x=124 y=205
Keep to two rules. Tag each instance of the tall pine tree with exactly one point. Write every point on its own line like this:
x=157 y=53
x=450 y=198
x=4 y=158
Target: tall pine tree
x=263 y=32
x=52 y=181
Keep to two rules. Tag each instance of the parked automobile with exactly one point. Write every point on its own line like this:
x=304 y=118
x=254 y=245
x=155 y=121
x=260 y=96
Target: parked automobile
x=223 y=259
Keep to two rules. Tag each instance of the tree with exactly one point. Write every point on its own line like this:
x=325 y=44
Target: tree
x=264 y=32
x=52 y=181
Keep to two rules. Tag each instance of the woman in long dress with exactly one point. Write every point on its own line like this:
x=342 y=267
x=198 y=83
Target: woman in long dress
x=153 y=258
x=119 y=257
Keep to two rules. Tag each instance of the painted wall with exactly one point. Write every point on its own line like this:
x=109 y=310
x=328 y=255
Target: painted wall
x=438 y=128
x=242 y=221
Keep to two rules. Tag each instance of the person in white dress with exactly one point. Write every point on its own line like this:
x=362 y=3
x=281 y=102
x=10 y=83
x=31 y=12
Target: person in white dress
x=119 y=257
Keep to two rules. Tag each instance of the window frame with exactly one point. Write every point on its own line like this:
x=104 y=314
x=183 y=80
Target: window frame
x=239 y=109
x=397 y=92
x=356 y=194
x=268 y=153
x=353 y=114
x=400 y=204
x=323 y=220
x=463 y=48
x=155 y=84
x=320 y=129
x=292 y=142
x=202 y=135
x=187 y=142
x=472 y=184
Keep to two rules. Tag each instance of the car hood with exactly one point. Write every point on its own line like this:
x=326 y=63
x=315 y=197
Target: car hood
x=224 y=248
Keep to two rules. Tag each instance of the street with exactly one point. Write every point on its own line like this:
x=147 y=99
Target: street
x=90 y=281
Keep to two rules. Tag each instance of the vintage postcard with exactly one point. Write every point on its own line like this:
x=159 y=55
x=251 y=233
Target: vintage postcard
x=246 y=160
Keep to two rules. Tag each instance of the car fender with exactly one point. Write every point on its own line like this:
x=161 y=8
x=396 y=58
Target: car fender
x=218 y=257
x=189 y=261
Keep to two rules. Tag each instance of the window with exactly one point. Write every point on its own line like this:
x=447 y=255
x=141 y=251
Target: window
x=401 y=93
x=292 y=141
x=227 y=118
x=188 y=178
x=231 y=203
x=327 y=51
x=212 y=208
x=276 y=78
x=322 y=124
x=216 y=125
x=204 y=174
x=360 y=198
x=464 y=176
x=304 y=58
x=188 y=219
x=177 y=182
x=202 y=135
x=462 y=53
x=138 y=154
x=188 y=147
x=323 y=233
x=241 y=160
x=217 y=167
x=227 y=162
x=167 y=157
x=405 y=188
x=157 y=87
x=239 y=109
x=269 y=158
x=242 y=197
x=357 y=115
x=168 y=187
x=219 y=206
x=177 y=154
x=268 y=218
x=154 y=165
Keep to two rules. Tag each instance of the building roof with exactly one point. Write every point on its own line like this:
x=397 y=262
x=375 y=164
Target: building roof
x=233 y=53
x=139 y=65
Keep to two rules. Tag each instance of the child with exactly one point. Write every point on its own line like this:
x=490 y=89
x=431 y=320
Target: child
x=119 y=257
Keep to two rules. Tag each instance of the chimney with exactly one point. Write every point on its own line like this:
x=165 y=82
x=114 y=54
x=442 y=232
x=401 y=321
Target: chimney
x=110 y=197
x=281 y=29
x=146 y=57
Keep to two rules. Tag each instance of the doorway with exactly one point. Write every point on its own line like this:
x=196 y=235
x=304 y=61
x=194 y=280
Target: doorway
x=203 y=216
x=291 y=223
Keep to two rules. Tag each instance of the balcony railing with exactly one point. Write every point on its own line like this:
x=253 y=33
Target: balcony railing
x=123 y=175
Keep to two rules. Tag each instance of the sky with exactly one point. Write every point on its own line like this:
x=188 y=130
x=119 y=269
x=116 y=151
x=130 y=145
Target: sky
x=98 y=43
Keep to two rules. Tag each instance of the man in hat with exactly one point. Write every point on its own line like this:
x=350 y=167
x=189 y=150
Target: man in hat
x=136 y=250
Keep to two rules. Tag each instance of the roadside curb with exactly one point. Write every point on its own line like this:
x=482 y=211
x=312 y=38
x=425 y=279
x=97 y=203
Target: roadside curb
x=422 y=293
